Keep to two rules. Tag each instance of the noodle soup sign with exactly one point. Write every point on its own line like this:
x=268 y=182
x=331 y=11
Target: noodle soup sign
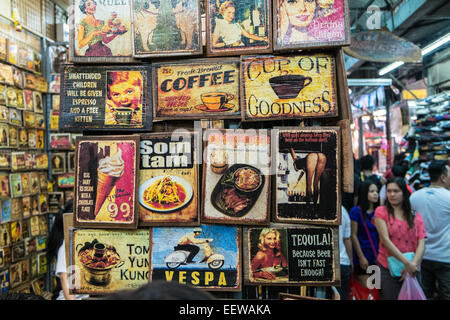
x=106 y=261
x=288 y=87
x=168 y=179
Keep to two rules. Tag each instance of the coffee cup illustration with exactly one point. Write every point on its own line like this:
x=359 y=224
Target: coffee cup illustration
x=289 y=86
x=216 y=100
x=124 y=115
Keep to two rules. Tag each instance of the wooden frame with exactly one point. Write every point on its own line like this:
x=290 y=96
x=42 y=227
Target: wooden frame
x=322 y=26
x=131 y=248
x=314 y=145
x=187 y=175
x=285 y=86
x=226 y=245
x=188 y=102
x=100 y=50
x=211 y=5
x=324 y=239
x=145 y=20
x=87 y=212
x=257 y=208
x=88 y=102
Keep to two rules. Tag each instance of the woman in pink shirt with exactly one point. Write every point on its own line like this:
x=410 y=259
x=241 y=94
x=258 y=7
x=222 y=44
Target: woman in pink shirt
x=400 y=230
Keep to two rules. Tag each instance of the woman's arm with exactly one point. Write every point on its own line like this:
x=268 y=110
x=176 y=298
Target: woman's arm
x=216 y=43
x=420 y=250
x=65 y=286
x=357 y=246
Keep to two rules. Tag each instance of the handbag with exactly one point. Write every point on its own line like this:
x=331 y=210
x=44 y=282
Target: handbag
x=396 y=266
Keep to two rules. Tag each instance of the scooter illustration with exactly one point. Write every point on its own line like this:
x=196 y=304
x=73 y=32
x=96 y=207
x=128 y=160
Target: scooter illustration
x=177 y=258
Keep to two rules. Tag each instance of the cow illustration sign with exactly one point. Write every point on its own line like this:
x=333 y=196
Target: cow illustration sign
x=288 y=87
x=164 y=28
x=205 y=257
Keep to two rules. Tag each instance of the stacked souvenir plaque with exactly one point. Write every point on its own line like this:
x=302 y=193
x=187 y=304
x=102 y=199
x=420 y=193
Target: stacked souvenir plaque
x=23 y=166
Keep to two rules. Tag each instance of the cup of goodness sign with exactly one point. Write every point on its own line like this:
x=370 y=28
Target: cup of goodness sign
x=288 y=87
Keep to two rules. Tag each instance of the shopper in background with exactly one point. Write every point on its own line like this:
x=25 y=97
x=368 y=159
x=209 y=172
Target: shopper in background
x=56 y=249
x=433 y=203
x=345 y=247
x=397 y=171
x=364 y=234
x=400 y=230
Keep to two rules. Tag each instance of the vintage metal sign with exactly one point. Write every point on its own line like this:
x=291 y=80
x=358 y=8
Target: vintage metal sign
x=291 y=256
x=105 y=98
x=198 y=89
x=164 y=28
x=307 y=173
x=206 y=257
x=109 y=260
x=100 y=31
x=238 y=27
x=168 y=179
x=236 y=183
x=287 y=87
x=106 y=181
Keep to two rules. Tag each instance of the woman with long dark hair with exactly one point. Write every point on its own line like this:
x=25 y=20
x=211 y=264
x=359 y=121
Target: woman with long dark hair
x=401 y=230
x=364 y=234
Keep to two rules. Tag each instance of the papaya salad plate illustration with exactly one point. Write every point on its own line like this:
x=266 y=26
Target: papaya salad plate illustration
x=165 y=193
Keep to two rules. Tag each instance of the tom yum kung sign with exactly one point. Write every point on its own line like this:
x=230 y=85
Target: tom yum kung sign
x=286 y=87
x=105 y=98
x=197 y=89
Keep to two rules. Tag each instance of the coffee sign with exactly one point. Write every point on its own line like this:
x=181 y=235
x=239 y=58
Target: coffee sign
x=197 y=89
x=287 y=87
x=105 y=98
